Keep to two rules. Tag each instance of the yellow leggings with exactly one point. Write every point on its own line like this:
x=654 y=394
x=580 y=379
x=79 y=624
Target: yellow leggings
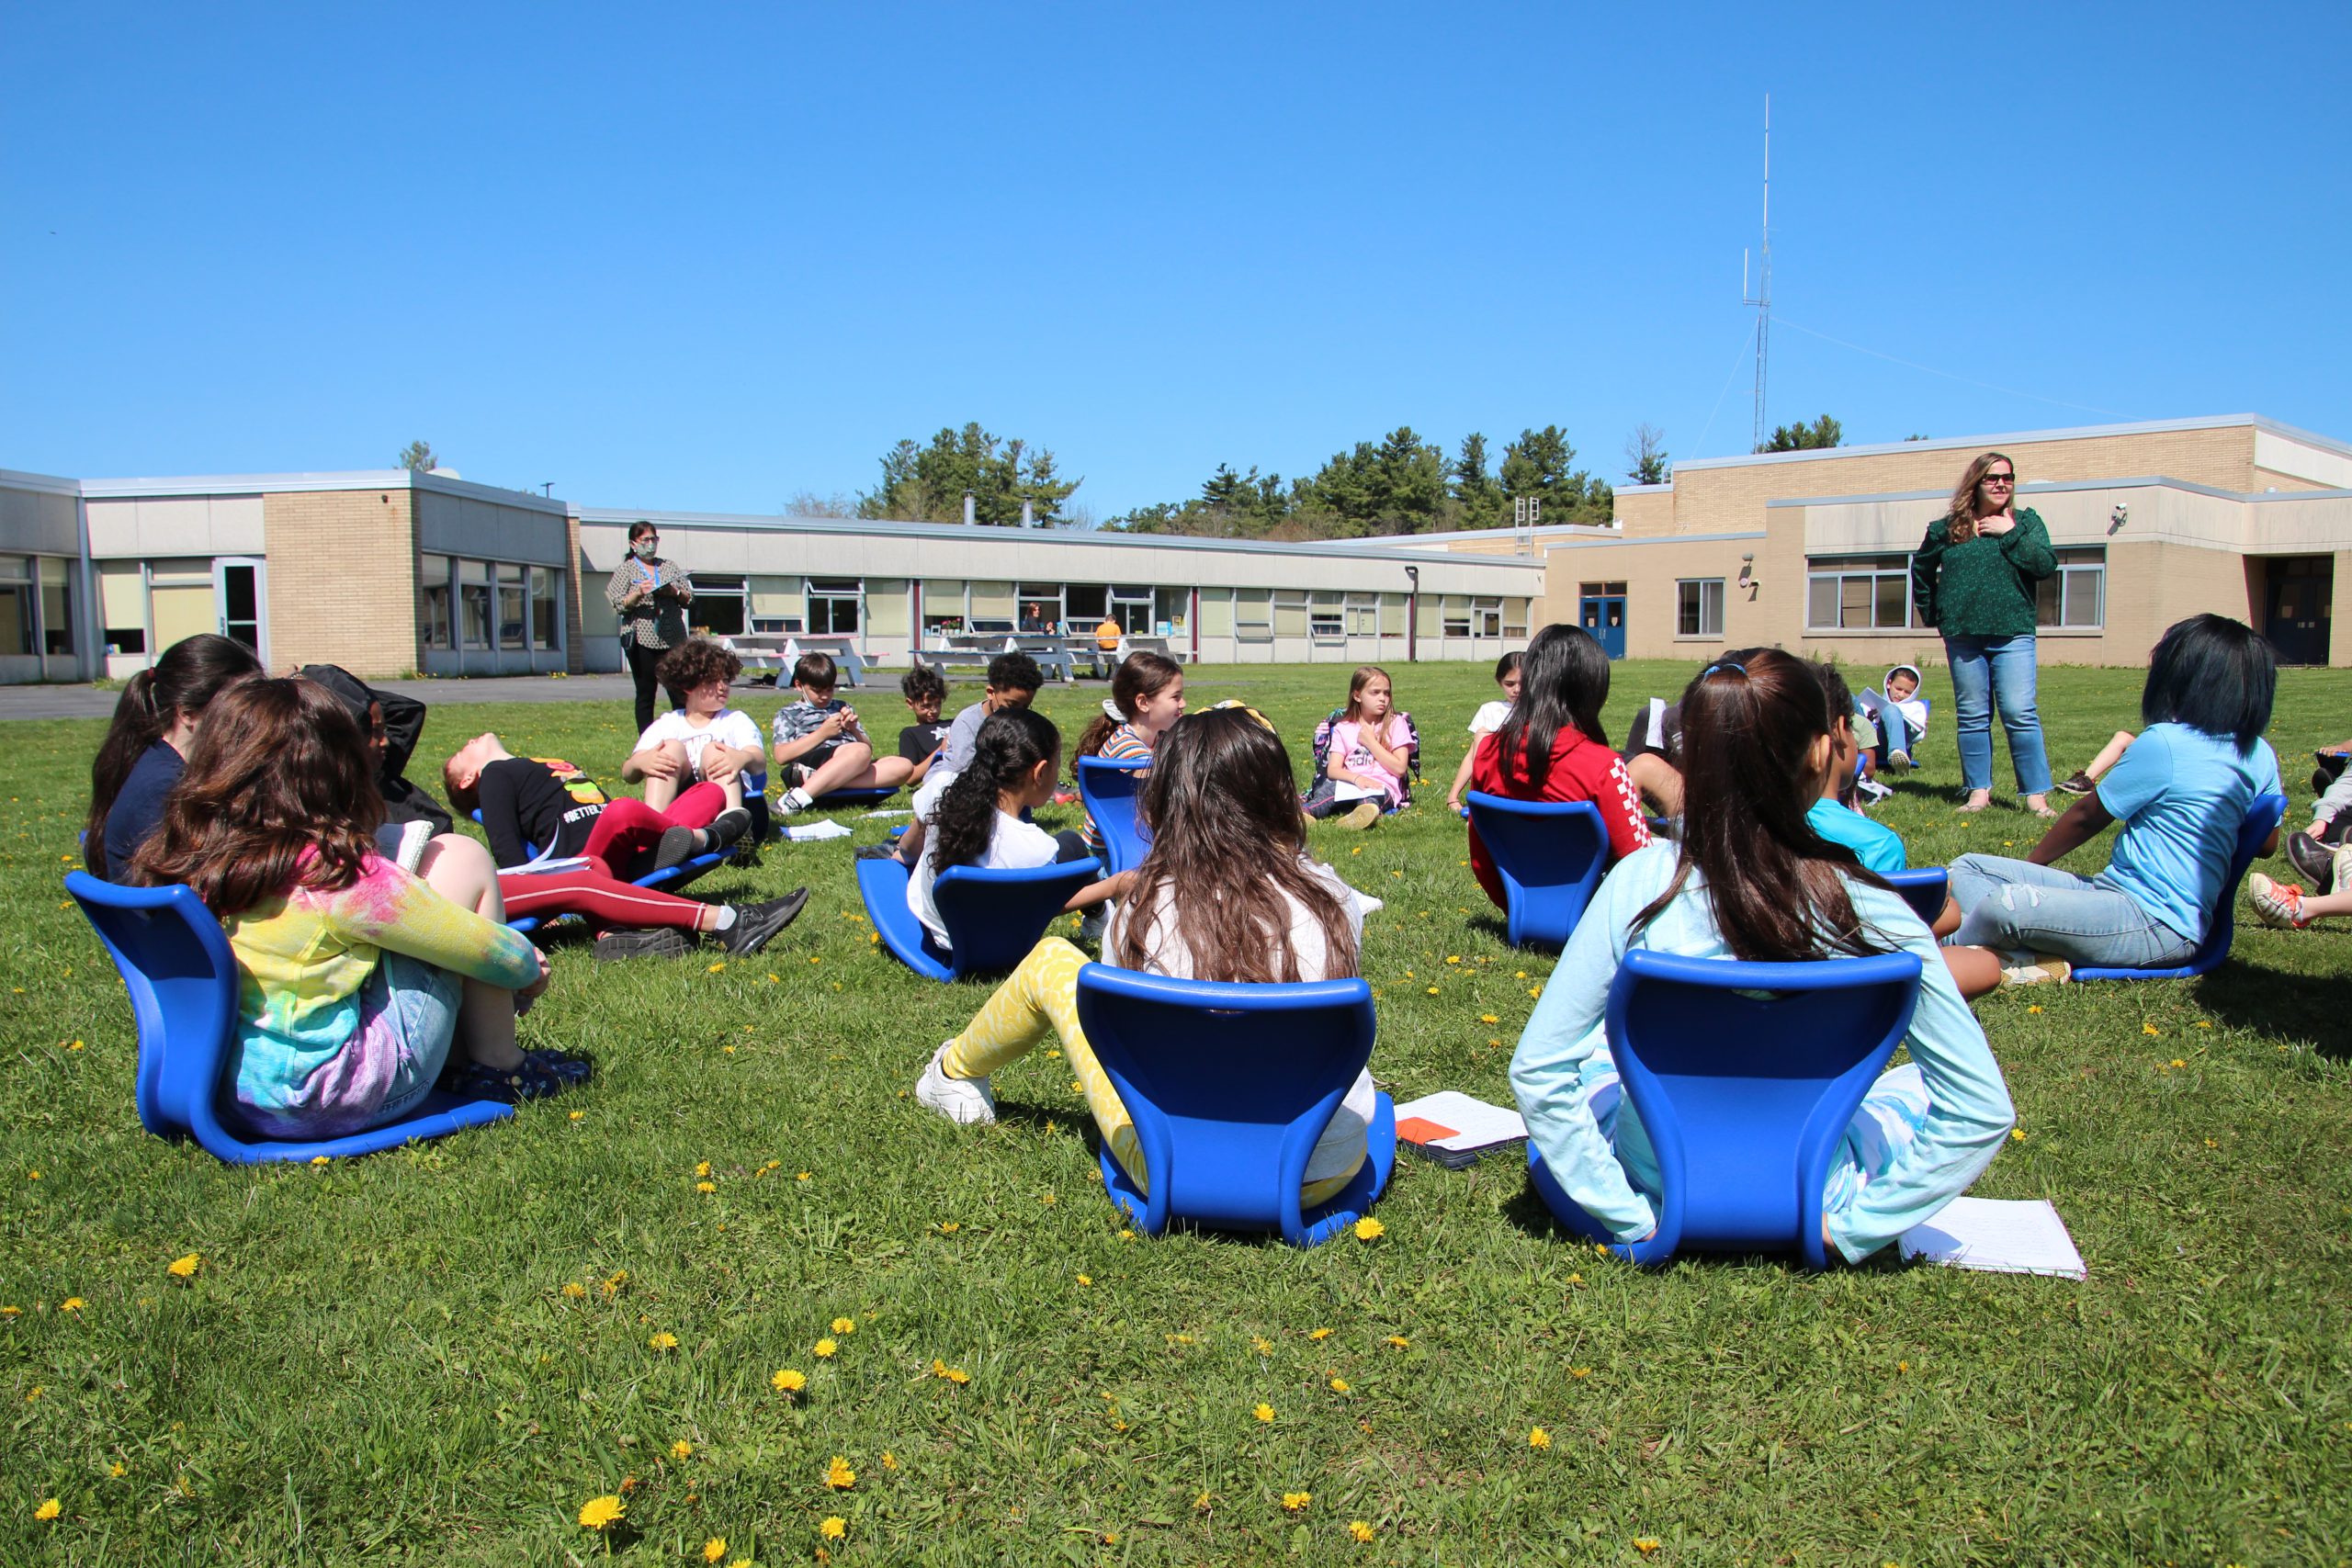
x=1040 y=998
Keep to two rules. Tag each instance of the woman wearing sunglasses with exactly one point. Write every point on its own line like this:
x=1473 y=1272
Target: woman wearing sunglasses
x=651 y=596
x=1972 y=578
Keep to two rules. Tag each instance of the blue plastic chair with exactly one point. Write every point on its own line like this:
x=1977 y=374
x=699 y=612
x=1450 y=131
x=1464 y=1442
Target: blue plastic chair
x=183 y=983
x=1925 y=888
x=2263 y=815
x=831 y=798
x=1746 y=1076
x=1550 y=854
x=993 y=917
x=1109 y=787
x=1230 y=1086
x=668 y=879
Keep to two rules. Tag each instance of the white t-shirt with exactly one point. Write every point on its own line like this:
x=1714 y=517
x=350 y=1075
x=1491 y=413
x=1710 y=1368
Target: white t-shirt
x=1489 y=717
x=1342 y=1147
x=1013 y=845
x=729 y=726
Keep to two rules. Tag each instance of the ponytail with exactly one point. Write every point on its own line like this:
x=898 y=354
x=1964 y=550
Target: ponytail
x=1011 y=743
x=190 y=674
x=1142 y=674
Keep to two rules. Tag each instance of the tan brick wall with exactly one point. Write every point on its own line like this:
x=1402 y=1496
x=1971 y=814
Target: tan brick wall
x=1648 y=512
x=575 y=635
x=341 y=580
x=1708 y=500
x=2270 y=478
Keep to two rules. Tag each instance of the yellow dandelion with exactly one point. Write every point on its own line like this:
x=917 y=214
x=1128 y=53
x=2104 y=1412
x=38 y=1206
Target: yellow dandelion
x=2201 y=1024
x=1579 y=1371
x=1260 y=1343
x=949 y=1227
x=72 y=1304
x=1399 y=1340
x=1086 y=1279
x=1433 y=990
x=665 y=1340
x=1453 y=958
x=715 y=968
x=1902 y=1366
x=1646 y=1544
x=2152 y=1029
x=889 y=1460
x=833 y=1527
x=2017 y=1134
x=185 y=1268
x=1535 y=990
x=838 y=1475
x=714 y=1548
x=826 y=1347
x=702 y=1168
x=50 y=1508
x=12 y=1312
x=77 y=1046
x=1264 y=1413
x=844 y=1325
x=1340 y=1385
x=575 y=1290
x=1370 y=1229
x=319 y=1159
x=35 y=1393
x=800 y=1176
x=706 y=1187
x=2179 y=1063
x=1320 y=1333
x=599 y=1512
x=1489 y=1018
x=788 y=1380
x=1358 y=1531
x=2035 y=1007
x=1295 y=1501
x=2213 y=1143
x=116 y=1470
x=579 y=1115
x=684 y=1449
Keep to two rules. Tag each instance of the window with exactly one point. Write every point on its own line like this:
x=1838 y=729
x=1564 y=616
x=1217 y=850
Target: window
x=1487 y=618
x=514 y=592
x=56 y=606
x=1363 y=614
x=1131 y=607
x=1454 y=617
x=15 y=606
x=721 y=605
x=1857 y=594
x=1326 y=616
x=546 y=612
x=1253 y=615
x=432 y=601
x=1699 y=607
x=1046 y=598
x=833 y=604
x=1174 y=606
x=2074 y=596
x=474 y=602
x=1515 y=618
x=1289 y=612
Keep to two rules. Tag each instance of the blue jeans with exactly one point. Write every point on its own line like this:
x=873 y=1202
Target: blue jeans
x=2017 y=908
x=1987 y=671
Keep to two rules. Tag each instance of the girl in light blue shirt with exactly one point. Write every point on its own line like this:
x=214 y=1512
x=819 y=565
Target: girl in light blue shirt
x=1752 y=880
x=2181 y=793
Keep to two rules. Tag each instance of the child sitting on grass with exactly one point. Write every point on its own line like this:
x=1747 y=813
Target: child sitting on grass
x=925 y=690
x=1147 y=696
x=819 y=745
x=1484 y=722
x=1228 y=893
x=2181 y=793
x=1551 y=748
x=146 y=746
x=355 y=977
x=1751 y=880
x=702 y=738
x=979 y=821
x=1370 y=756
x=1012 y=683
x=1903 y=722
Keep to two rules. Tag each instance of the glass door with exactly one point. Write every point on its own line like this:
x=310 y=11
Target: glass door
x=240 y=590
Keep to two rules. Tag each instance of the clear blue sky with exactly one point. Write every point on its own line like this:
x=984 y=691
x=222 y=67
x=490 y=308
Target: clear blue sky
x=709 y=258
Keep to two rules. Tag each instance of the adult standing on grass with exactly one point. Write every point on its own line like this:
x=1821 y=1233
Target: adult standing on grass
x=651 y=596
x=1972 y=578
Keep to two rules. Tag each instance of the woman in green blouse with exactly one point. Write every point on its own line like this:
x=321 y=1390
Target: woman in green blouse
x=1972 y=578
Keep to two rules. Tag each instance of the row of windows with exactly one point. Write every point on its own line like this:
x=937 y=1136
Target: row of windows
x=478 y=605
x=1873 y=593
x=36 y=605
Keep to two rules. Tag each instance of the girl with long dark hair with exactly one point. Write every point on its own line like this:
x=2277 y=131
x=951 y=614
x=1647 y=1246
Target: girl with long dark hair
x=357 y=977
x=1014 y=762
x=1551 y=747
x=1228 y=893
x=1753 y=880
x=146 y=745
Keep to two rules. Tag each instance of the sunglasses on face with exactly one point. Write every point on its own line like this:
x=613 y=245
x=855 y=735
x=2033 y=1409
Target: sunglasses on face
x=2000 y=478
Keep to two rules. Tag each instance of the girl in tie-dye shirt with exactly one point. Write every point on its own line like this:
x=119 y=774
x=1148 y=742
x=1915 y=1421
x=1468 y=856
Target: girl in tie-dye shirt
x=355 y=977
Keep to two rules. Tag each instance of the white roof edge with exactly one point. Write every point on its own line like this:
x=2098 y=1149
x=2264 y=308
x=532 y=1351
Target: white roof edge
x=1664 y=540
x=609 y=517
x=45 y=484
x=1548 y=530
x=345 y=480
x=2013 y=437
x=2033 y=487
x=2262 y=495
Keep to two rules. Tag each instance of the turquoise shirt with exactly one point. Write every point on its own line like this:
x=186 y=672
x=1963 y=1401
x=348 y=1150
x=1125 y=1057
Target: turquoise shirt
x=2181 y=795
x=1565 y=1051
x=1876 y=845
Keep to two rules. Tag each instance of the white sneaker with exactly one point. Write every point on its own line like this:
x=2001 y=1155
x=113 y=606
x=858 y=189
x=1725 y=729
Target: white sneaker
x=795 y=799
x=1898 y=757
x=966 y=1100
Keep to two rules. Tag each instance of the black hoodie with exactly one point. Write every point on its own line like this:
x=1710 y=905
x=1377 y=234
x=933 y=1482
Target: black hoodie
x=403 y=726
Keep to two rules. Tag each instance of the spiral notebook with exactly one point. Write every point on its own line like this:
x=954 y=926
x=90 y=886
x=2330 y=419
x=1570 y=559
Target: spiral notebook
x=2004 y=1237
x=1455 y=1129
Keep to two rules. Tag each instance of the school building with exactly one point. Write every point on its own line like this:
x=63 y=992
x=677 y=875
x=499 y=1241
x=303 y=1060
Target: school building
x=387 y=572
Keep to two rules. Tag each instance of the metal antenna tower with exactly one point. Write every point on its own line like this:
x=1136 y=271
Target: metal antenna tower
x=1762 y=298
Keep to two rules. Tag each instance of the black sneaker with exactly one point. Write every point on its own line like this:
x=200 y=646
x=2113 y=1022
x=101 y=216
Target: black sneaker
x=877 y=851
x=755 y=924
x=2313 y=859
x=727 y=826
x=677 y=845
x=2081 y=784
x=658 y=941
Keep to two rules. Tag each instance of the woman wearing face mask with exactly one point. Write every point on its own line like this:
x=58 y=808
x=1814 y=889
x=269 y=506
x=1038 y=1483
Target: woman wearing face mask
x=651 y=596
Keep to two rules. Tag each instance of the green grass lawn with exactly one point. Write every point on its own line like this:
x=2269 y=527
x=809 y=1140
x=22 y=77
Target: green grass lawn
x=440 y=1355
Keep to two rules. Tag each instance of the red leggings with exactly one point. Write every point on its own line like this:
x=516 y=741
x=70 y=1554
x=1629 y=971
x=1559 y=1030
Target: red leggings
x=627 y=830
x=606 y=901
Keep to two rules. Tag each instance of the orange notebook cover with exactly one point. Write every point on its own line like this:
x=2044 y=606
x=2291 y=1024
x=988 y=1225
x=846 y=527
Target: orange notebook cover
x=1421 y=1130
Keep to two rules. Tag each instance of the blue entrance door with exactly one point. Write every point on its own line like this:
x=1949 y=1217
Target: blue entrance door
x=1601 y=612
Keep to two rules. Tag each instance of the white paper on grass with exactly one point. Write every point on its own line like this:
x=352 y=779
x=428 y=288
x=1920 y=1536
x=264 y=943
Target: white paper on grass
x=804 y=832
x=1344 y=792
x=1475 y=1123
x=895 y=811
x=1998 y=1235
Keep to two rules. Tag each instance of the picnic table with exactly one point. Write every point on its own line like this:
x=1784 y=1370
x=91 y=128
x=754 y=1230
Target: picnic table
x=957 y=650
x=774 y=653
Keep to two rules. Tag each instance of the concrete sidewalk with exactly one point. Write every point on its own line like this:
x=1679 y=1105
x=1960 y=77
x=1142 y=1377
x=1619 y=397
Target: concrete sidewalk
x=89 y=702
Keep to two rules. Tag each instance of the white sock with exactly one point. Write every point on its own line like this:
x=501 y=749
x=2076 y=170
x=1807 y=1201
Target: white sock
x=798 y=798
x=725 y=919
